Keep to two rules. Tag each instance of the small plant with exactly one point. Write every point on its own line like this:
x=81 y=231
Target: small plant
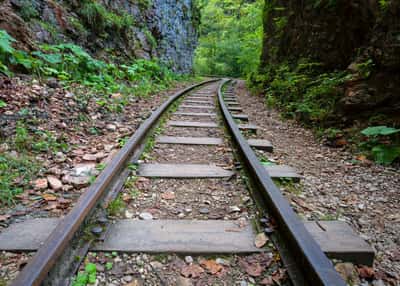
x=116 y=206
x=383 y=143
x=15 y=175
x=88 y=276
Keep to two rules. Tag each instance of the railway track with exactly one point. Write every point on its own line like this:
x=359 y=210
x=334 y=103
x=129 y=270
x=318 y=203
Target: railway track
x=195 y=142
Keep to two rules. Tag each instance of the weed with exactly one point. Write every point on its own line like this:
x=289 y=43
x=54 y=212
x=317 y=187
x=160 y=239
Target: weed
x=15 y=174
x=28 y=10
x=88 y=276
x=116 y=206
x=383 y=143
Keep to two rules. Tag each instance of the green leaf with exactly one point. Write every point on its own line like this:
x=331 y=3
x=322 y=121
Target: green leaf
x=5 y=42
x=2 y=104
x=379 y=130
x=90 y=268
x=385 y=154
x=109 y=265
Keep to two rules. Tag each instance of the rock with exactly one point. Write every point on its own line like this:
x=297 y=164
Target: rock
x=146 y=216
x=94 y=157
x=90 y=157
x=234 y=209
x=111 y=127
x=222 y=261
x=260 y=240
x=53 y=83
x=100 y=268
x=204 y=211
x=54 y=183
x=77 y=181
x=243 y=283
x=348 y=273
x=127 y=278
x=128 y=214
x=181 y=281
x=378 y=283
x=84 y=170
x=188 y=259
x=156 y=265
x=60 y=157
x=40 y=184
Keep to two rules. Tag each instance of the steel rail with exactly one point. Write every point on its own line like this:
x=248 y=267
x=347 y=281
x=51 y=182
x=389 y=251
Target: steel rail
x=316 y=268
x=36 y=271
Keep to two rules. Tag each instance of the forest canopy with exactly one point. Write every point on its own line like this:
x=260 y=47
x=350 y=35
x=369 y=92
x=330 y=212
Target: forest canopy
x=230 y=37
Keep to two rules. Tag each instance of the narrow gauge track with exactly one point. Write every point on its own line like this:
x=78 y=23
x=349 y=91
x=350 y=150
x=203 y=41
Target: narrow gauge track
x=55 y=262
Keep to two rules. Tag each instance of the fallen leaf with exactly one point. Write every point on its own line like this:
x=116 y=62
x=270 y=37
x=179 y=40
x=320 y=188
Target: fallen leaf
x=253 y=269
x=260 y=240
x=49 y=197
x=192 y=271
x=211 y=266
x=168 y=195
x=366 y=272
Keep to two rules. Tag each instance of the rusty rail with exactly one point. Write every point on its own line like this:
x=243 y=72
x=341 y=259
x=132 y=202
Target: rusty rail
x=311 y=263
x=38 y=268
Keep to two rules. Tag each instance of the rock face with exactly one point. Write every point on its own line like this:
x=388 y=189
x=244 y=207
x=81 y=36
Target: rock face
x=166 y=29
x=341 y=35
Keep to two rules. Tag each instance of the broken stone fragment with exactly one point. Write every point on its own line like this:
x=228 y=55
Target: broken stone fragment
x=40 y=184
x=54 y=183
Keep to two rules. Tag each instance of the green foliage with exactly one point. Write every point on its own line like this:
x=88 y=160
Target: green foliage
x=384 y=4
x=72 y=64
x=382 y=143
x=379 y=130
x=15 y=173
x=365 y=68
x=116 y=206
x=86 y=277
x=98 y=18
x=230 y=37
x=301 y=91
x=2 y=104
x=28 y=10
x=37 y=141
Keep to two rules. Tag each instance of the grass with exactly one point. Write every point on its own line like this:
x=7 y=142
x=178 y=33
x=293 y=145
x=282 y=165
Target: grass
x=116 y=206
x=16 y=172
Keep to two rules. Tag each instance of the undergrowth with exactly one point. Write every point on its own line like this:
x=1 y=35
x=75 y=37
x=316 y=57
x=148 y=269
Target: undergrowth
x=302 y=91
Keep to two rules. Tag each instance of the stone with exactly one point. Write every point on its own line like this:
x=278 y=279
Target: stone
x=40 y=184
x=145 y=216
x=127 y=278
x=128 y=214
x=348 y=272
x=204 y=211
x=182 y=281
x=111 y=127
x=54 y=183
x=234 y=209
x=222 y=261
x=188 y=259
x=156 y=265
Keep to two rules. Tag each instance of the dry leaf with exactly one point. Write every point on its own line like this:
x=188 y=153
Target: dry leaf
x=260 y=240
x=366 y=272
x=253 y=269
x=49 y=197
x=211 y=266
x=192 y=271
